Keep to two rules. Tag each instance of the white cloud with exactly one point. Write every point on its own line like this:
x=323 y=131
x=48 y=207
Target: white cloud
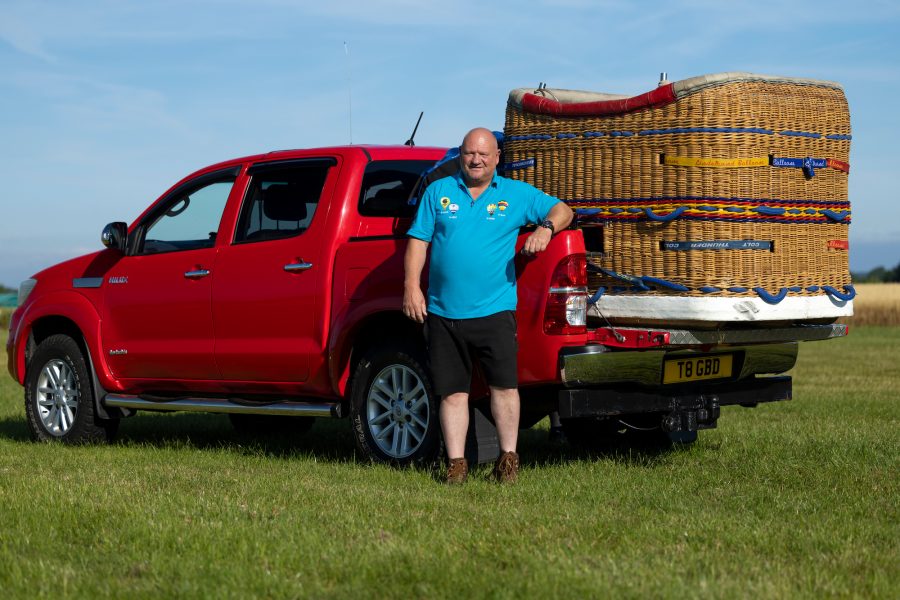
x=19 y=34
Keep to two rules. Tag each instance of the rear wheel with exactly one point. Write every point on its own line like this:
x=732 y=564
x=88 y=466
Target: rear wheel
x=59 y=404
x=393 y=409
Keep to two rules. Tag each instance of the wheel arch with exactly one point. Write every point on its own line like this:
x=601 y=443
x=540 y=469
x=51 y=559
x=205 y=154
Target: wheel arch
x=377 y=328
x=74 y=316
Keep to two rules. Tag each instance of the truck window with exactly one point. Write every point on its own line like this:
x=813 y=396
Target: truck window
x=189 y=220
x=280 y=202
x=387 y=186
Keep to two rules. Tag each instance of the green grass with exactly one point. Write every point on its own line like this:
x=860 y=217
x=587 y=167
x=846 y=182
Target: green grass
x=794 y=499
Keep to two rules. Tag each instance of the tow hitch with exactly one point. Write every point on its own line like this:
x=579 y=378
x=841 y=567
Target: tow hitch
x=703 y=415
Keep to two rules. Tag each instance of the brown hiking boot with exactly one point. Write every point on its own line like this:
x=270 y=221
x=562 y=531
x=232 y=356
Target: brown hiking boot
x=506 y=469
x=457 y=471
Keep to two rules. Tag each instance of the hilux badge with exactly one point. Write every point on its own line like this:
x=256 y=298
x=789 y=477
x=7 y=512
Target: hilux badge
x=118 y=280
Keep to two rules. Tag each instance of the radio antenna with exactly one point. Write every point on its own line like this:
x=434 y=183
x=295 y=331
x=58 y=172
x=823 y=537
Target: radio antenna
x=349 y=89
x=410 y=141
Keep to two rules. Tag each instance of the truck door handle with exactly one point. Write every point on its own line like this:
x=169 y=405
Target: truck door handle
x=197 y=274
x=299 y=266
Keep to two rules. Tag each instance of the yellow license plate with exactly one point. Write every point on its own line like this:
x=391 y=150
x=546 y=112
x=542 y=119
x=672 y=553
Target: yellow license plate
x=700 y=368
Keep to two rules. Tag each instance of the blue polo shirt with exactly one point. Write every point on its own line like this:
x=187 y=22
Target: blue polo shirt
x=473 y=243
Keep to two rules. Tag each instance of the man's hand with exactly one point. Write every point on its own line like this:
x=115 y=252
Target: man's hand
x=414 y=305
x=537 y=241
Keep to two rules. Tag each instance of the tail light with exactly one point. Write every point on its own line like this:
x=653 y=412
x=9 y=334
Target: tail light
x=566 y=311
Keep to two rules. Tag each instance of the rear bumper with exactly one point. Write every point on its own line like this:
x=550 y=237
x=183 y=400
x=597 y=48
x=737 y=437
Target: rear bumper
x=599 y=366
x=611 y=402
x=759 y=351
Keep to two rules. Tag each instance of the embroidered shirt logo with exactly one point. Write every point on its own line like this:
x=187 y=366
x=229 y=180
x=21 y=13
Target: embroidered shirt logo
x=502 y=205
x=445 y=202
x=491 y=208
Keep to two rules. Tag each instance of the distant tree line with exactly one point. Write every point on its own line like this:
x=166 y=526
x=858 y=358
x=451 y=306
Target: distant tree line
x=6 y=290
x=878 y=275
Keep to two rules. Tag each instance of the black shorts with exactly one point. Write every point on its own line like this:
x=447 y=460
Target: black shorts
x=454 y=343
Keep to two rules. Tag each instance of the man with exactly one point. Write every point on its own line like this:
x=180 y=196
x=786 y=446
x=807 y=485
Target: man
x=471 y=221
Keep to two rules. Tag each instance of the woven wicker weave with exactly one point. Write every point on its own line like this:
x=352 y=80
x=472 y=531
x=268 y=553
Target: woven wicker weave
x=610 y=167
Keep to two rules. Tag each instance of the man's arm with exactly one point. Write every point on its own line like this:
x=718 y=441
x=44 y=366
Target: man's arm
x=414 y=305
x=560 y=215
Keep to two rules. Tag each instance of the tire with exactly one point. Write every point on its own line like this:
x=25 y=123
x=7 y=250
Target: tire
x=59 y=403
x=393 y=410
x=268 y=424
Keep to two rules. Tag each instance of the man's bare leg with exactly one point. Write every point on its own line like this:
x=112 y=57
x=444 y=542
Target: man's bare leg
x=505 y=409
x=455 y=423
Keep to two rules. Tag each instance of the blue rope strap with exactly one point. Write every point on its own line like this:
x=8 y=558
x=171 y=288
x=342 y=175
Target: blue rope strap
x=643 y=283
x=665 y=209
x=849 y=295
x=677 y=131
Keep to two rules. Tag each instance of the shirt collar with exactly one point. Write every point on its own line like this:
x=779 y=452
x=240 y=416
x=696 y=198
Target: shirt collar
x=460 y=181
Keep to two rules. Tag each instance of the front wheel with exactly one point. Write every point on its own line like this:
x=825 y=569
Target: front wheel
x=59 y=404
x=393 y=409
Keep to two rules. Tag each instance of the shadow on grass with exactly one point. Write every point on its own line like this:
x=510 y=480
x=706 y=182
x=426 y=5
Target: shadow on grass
x=332 y=440
x=329 y=439
x=13 y=428
x=537 y=449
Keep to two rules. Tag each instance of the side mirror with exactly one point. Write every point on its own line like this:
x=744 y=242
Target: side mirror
x=114 y=236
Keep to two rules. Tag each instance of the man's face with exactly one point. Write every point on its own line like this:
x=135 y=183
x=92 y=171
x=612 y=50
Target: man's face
x=478 y=157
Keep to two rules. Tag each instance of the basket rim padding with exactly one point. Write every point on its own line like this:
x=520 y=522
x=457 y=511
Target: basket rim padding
x=706 y=308
x=577 y=103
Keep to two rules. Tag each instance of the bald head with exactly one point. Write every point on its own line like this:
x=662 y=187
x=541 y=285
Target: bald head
x=480 y=135
x=479 y=156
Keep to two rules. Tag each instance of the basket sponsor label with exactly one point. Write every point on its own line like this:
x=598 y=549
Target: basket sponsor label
x=839 y=244
x=728 y=163
x=519 y=164
x=718 y=245
x=809 y=164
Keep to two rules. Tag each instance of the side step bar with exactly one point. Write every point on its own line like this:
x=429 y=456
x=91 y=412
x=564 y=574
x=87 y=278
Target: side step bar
x=217 y=405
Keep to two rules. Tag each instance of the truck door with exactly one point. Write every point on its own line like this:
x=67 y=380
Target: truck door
x=266 y=294
x=157 y=318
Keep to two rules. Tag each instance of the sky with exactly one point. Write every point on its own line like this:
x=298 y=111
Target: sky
x=105 y=104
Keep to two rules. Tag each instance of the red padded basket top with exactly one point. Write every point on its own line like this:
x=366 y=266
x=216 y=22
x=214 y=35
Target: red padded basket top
x=542 y=105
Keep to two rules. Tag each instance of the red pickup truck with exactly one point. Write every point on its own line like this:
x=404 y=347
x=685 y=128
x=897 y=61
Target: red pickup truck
x=269 y=288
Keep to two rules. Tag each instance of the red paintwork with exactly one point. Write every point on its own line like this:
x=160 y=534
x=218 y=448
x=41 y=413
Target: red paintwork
x=250 y=327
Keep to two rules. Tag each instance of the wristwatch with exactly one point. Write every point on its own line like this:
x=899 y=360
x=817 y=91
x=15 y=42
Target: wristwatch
x=549 y=225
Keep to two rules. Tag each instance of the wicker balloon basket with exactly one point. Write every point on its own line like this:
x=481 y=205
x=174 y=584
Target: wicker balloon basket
x=701 y=196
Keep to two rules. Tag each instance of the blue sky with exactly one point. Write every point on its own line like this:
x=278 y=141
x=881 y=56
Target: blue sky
x=105 y=104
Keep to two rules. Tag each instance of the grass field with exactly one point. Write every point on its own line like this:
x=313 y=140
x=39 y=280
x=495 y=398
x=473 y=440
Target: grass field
x=795 y=499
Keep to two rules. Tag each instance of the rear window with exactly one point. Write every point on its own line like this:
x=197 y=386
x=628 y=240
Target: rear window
x=388 y=185
x=281 y=202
